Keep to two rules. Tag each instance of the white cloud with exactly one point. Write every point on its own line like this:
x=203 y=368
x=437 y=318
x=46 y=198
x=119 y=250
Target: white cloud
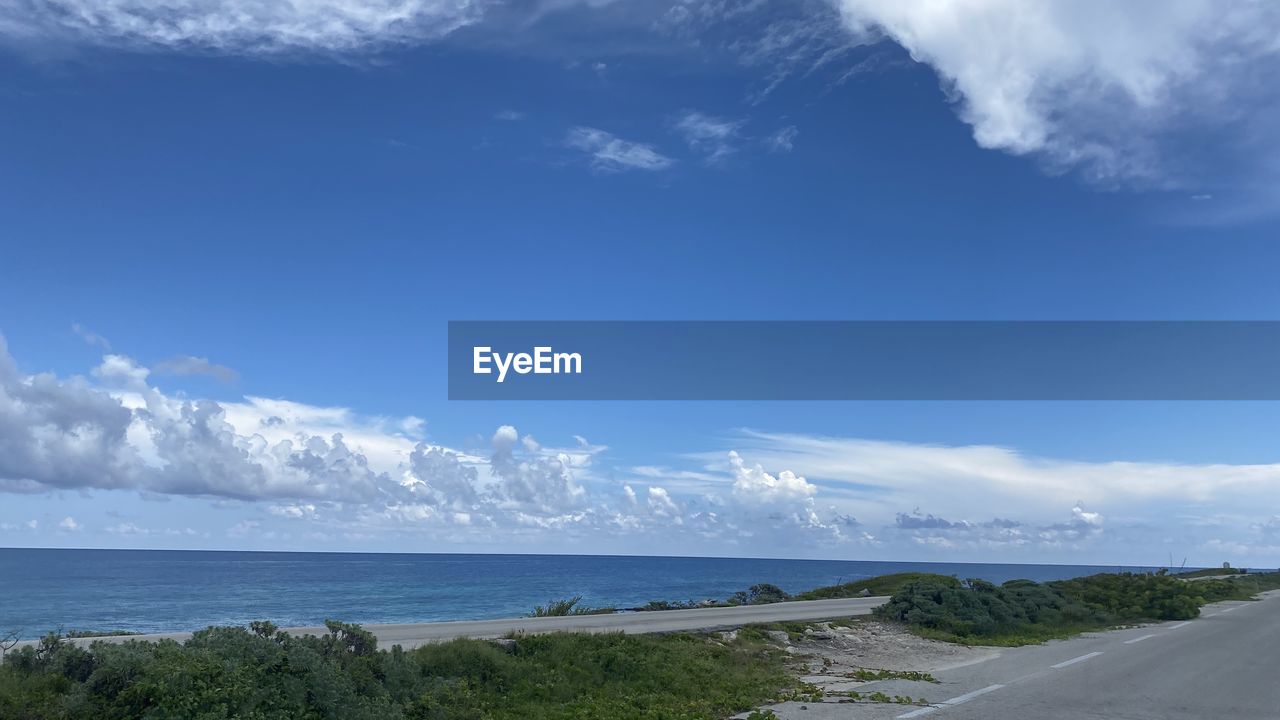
x=711 y=136
x=753 y=486
x=611 y=153
x=284 y=465
x=784 y=140
x=296 y=511
x=660 y=502
x=90 y=337
x=122 y=371
x=239 y=26
x=69 y=524
x=1087 y=84
x=539 y=480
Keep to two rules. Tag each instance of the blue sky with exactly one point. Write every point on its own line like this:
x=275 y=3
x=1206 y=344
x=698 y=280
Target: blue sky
x=228 y=212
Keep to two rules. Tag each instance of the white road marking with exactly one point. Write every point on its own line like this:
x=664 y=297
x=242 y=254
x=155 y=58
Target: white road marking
x=959 y=699
x=1180 y=625
x=1138 y=639
x=1073 y=661
x=1229 y=609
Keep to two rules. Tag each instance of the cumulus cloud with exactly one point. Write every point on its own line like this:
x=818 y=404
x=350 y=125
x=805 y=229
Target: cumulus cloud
x=443 y=478
x=284 y=464
x=998 y=533
x=613 y=154
x=239 y=26
x=660 y=502
x=754 y=486
x=916 y=521
x=57 y=433
x=1088 y=85
x=543 y=481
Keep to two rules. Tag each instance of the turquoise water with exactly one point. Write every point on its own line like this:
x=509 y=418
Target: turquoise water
x=162 y=590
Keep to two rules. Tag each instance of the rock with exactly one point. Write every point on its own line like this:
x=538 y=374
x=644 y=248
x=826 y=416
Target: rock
x=729 y=636
x=864 y=593
x=778 y=636
x=506 y=644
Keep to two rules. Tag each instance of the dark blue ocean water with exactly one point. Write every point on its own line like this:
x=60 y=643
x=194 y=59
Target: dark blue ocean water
x=163 y=590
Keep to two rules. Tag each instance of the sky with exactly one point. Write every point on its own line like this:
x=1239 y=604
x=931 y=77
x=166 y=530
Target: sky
x=233 y=233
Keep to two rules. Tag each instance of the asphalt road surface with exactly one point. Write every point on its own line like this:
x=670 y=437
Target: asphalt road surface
x=1220 y=666
x=416 y=634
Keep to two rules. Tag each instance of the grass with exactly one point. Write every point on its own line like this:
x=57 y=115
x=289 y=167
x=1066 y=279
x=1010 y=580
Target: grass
x=568 y=606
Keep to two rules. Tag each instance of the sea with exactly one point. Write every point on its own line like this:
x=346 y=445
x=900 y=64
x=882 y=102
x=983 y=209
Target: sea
x=153 y=591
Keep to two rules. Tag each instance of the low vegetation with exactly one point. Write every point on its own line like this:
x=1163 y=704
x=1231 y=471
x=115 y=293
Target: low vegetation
x=265 y=673
x=873 y=675
x=1021 y=611
x=763 y=593
x=1210 y=572
x=880 y=585
x=568 y=606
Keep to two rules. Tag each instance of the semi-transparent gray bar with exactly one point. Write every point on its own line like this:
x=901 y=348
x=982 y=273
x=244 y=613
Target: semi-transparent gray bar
x=856 y=360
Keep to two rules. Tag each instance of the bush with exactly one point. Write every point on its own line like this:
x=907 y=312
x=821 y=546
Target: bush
x=1024 y=611
x=760 y=594
x=265 y=674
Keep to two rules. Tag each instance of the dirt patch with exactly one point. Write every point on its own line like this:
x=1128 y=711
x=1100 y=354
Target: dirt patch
x=873 y=644
x=847 y=662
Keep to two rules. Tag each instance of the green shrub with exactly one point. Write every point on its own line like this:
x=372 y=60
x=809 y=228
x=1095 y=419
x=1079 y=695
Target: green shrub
x=1021 y=611
x=760 y=594
x=265 y=674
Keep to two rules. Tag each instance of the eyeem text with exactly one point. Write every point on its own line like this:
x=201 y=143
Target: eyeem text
x=542 y=361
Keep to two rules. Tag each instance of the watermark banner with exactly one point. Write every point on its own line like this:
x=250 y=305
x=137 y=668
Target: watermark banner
x=864 y=360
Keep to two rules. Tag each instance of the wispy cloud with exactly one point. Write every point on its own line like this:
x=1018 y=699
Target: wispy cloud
x=711 y=136
x=240 y=26
x=190 y=365
x=508 y=115
x=784 y=140
x=611 y=153
x=90 y=337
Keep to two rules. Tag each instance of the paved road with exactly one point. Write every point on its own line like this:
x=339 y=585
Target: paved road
x=413 y=635
x=1219 y=666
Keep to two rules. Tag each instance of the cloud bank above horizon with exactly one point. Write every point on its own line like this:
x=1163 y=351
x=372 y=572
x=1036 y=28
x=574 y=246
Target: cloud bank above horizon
x=286 y=471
